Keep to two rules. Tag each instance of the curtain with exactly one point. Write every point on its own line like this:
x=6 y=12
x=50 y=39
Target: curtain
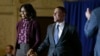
x=76 y=17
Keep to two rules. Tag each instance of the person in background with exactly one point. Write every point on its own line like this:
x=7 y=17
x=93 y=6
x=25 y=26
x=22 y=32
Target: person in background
x=61 y=38
x=9 y=50
x=92 y=27
x=28 y=31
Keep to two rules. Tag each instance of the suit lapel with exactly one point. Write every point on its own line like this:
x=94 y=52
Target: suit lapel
x=63 y=33
x=52 y=33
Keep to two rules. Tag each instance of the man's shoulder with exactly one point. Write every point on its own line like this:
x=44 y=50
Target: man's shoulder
x=96 y=9
x=51 y=25
x=66 y=25
x=70 y=27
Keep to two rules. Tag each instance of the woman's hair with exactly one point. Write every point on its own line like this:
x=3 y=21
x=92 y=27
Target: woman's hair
x=31 y=13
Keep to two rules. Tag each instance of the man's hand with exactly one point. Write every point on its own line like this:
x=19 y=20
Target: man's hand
x=31 y=53
x=87 y=14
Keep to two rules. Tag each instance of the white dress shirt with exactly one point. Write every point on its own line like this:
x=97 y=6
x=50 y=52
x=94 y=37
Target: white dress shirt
x=61 y=27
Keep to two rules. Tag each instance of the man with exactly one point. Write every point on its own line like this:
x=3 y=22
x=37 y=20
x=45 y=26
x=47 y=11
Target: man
x=92 y=28
x=61 y=37
x=9 y=50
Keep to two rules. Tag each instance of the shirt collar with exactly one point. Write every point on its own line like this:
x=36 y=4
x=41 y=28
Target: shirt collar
x=61 y=23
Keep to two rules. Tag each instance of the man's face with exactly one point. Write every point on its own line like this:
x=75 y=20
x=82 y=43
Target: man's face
x=58 y=15
x=8 y=50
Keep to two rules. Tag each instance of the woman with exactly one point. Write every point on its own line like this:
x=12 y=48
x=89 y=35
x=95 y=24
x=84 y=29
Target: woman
x=28 y=33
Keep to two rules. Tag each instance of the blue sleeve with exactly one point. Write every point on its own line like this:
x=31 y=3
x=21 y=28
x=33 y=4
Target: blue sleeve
x=91 y=25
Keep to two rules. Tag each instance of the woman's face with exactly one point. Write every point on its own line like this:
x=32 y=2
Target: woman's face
x=23 y=12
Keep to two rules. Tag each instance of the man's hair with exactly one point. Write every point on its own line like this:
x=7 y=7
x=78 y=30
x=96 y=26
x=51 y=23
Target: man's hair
x=62 y=9
x=11 y=46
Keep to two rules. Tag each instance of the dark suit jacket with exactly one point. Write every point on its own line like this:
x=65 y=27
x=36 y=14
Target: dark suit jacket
x=68 y=44
x=34 y=34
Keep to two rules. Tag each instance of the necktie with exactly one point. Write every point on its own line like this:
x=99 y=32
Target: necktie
x=56 y=38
